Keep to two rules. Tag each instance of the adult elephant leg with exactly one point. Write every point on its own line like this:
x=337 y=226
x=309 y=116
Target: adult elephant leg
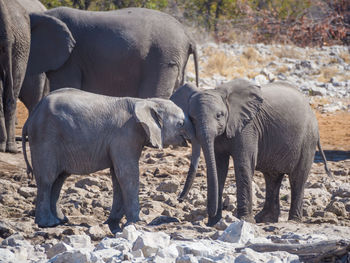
x=271 y=210
x=3 y=133
x=117 y=211
x=222 y=162
x=10 y=123
x=297 y=179
x=55 y=194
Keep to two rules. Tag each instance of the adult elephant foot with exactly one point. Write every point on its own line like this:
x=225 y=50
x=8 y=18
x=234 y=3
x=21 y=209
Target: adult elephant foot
x=47 y=221
x=11 y=147
x=267 y=216
x=214 y=219
x=113 y=225
x=3 y=147
x=295 y=218
x=247 y=218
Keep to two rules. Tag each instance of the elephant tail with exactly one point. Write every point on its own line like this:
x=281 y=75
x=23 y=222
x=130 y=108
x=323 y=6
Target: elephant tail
x=328 y=171
x=24 y=135
x=193 y=51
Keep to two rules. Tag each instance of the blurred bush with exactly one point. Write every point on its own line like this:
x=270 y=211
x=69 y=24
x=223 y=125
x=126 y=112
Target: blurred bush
x=299 y=22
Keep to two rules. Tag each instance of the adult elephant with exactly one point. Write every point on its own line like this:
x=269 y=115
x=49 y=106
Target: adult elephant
x=34 y=86
x=129 y=52
x=271 y=129
x=14 y=52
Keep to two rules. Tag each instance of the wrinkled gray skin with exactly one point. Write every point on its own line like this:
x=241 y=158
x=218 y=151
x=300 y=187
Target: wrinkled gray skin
x=271 y=129
x=133 y=52
x=34 y=86
x=14 y=52
x=77 y=132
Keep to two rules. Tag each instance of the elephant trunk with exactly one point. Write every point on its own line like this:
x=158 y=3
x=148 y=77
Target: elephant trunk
x=196 y=151
x=207 y=143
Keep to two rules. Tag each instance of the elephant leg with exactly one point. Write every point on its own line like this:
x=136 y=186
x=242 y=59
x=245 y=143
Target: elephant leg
x=222 y=162
x=128 y=177
x=55 y=194
x=271 y=210
x=117 y=211
x=244 y=171
x=10 y=123
x=297 y=179
x=43 y=213
x=3 y=133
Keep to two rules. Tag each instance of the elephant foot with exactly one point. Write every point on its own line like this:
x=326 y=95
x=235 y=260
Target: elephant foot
x=113 y=225
x=266 y=217
x=63 y=220
x=49 y=221
x=295 y=218
x=213 y=220
x=247 y=218
x=3 y=147
x=11 y=147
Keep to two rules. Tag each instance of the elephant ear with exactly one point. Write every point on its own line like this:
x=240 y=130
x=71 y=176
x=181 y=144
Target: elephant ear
x=244 y=100
x=51 y=43
x=146 y=113
x=182 y=95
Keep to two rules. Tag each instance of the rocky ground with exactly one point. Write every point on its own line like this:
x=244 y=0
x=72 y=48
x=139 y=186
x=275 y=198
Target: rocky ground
x=86 y=200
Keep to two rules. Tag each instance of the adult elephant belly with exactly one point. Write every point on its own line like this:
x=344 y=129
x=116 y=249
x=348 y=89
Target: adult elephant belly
x=117 y=59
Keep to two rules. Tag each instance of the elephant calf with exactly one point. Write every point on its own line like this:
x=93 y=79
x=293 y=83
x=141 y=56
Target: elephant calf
x=76 y=132
x=271 y=129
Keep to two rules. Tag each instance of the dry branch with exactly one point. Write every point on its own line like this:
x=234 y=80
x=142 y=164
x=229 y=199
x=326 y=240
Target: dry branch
x=315 y=252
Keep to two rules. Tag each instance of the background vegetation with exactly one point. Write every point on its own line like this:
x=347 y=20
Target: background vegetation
x=301 y=22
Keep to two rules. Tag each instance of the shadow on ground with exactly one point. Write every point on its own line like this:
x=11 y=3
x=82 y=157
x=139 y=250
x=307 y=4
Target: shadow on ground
x=333 y=156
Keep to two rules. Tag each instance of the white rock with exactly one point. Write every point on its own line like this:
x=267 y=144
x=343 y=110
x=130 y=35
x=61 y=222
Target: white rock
x=27 y=191
x=78 y=241
x=150 y=242
x=105 y=254
x=7 y=256
x=186 y=259
x=260 y=79
x=238 y=232
x=76 y=256
x=130 y=233
x=168 y=252
x=58 y=248
x=96 y=233
x=110 y=243
x=196 y=248
x=137 y=253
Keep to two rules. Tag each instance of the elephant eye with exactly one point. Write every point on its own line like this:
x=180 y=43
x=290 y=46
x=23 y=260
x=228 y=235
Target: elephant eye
x=219 y=115
x=180 y=124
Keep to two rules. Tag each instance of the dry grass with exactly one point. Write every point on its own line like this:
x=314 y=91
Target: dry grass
x=282 y=69
x=287 y=52
x=326 y=73
x=345 y=56
x=231 y=66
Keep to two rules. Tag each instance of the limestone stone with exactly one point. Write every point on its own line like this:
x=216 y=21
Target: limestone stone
x=238 y=232
x=150 y=242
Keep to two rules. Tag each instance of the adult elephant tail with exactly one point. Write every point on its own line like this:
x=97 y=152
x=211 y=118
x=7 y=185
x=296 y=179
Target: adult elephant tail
x=24 y=134
x=329 y=173
x=193 y=51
